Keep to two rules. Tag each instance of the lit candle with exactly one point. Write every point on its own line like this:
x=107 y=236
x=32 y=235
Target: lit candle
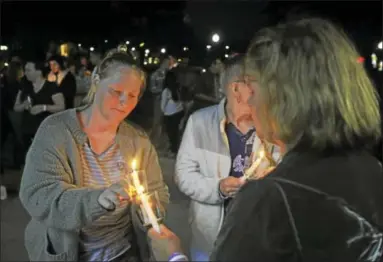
x=149 y=212
x=144 y=199
x=250 y=171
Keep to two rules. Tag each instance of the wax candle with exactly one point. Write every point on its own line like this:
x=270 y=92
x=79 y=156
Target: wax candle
x=144 y=199
x=149 y=212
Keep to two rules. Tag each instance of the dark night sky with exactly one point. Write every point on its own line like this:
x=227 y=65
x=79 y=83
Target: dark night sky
x=235 y=20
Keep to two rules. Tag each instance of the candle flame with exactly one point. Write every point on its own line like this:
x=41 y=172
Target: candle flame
x=134 y=164
x=262 y=154
x=140 y=189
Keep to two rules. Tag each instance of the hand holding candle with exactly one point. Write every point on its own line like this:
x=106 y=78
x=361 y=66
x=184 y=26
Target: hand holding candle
x=259 y=168
x=253 y=167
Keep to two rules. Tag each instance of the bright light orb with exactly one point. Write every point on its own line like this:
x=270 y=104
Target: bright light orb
x=215 y=38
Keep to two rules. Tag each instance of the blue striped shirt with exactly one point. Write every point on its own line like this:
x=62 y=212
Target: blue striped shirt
x=109 y=236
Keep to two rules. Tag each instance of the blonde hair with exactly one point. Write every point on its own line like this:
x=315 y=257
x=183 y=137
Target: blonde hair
x=311 y=89
x=114 y=58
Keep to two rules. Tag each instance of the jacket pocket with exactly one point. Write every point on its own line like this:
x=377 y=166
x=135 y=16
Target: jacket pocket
x=49 y=253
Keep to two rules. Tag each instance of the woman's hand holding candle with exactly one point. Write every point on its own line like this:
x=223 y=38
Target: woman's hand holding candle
x=259 y=168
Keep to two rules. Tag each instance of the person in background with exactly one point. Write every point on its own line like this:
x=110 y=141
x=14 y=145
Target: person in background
x=156 y=86
x=13 y=81
x=74 y=183
x=63 y=78
x=94 y=58
x=5 y=124
x=218 y=145
x=72 y=65
x=53 y=49
x=83 y=80
x=324 y=201
x=173 y=110
x=37 y=99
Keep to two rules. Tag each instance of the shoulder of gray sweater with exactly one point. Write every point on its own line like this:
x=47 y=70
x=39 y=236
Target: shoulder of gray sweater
x=53 y=125
x=129 y=128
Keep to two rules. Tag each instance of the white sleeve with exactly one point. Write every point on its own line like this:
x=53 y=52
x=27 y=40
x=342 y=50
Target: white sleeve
x=189 y=178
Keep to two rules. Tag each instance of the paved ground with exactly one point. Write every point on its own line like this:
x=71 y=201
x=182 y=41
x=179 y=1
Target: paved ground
x=14 y=218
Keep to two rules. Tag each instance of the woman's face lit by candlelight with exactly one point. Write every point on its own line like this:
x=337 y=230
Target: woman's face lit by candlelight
x=118 y=94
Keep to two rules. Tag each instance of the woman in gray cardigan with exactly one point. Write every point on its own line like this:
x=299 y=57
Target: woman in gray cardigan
x=73 y=184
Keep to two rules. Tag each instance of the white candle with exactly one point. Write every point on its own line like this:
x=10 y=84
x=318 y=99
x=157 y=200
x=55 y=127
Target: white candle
x=144 y=199
x=149 y=211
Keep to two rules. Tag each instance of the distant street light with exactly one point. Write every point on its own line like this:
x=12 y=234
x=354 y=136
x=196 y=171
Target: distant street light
x=127 y=42
x=91 y=48
x=227 y=47
x=186 y=48
x=215 y=38
x=106 y=41
x=79 y=45
x=226 y=55
x=163 y=50
x=3 y=48
x=380 y=45
x=204 y=70
x=133 y=48
x=208 y=47
x=147 y=51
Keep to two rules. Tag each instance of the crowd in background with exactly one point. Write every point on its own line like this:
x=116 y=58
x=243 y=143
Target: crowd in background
x=34 y=87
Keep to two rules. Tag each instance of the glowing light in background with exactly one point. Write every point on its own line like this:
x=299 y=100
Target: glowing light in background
x=163 y=50
x=361 y=59
x=215 y=38
x=374 y=60
x=64 y=49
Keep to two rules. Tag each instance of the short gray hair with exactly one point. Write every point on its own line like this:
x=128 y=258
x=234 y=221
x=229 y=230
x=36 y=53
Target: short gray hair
x=234 y=68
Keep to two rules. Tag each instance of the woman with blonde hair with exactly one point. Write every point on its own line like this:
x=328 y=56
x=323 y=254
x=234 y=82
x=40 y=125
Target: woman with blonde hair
x=74 y=183
x=324 y=201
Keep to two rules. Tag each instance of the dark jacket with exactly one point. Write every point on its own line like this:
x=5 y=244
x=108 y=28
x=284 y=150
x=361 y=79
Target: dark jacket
x=334 y=213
